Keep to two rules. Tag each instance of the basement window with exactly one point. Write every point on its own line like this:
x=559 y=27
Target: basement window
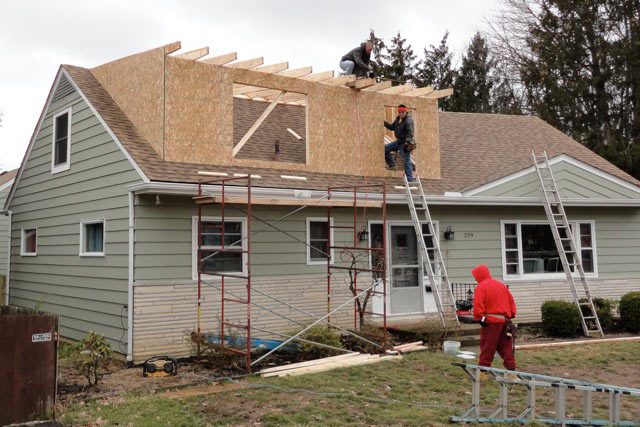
x=212 y=257
x=318 y=241
x=92 y=240
x=61 y=142
x=529 y=250
x=269 y=124
x=29 y=242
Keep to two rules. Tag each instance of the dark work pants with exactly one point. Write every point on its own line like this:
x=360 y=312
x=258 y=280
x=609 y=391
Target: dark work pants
x=493 y=337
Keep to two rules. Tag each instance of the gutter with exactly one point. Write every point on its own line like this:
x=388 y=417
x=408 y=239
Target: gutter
x=449 y=198
x=7 y=280
x=130 y=280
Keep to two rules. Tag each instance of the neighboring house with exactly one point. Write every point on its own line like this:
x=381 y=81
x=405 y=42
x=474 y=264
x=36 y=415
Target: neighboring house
x=104 y=220
x=6 y=181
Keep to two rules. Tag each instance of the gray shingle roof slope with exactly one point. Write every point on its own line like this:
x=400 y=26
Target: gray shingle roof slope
x=7 y=176
x=475 y=149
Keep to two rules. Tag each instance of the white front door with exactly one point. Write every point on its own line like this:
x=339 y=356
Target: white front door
x=406 y=292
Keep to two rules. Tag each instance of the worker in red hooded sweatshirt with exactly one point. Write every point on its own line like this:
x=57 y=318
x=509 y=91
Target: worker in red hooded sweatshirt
x=494 y=307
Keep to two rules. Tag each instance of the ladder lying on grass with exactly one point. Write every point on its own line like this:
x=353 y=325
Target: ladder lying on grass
x=429 y=244
x=532 y=382
x=563 y=237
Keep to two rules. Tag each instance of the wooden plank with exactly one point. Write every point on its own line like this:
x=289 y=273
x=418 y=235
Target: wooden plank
x=221 y=59
x=409 y=344
x=357 y=359
x=256 y=125
x=414 y=348
x=395 y=90
x=340 y=80
x=345 y=364
x=287 y=202
x=263 y=93
x=361 y=83
x=318 y=77
x=308 y=363
x=296 y=72
x=419 y=92
x=247 y=63
x=378 y=86
x=439 y=93
x=194 y=55
x=294 y=97
x=294 y=134
x=172 y=47
x=273 y=68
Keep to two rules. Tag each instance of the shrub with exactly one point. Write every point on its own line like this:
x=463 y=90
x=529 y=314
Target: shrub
x=560 y=319
x=604 y=308
x=91 y=354
x=320 y=334
x=630 y=311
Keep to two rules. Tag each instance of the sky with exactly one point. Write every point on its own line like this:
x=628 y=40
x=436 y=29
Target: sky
x=37 y=36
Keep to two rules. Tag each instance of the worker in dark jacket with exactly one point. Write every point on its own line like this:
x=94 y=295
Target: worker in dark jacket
x=403 y=130
x=357 y=60
x=493 y=307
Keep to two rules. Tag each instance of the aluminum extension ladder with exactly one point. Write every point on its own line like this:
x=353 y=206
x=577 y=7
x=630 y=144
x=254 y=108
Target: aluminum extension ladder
x=438 y=278
x=565 y=244
x=532 y=382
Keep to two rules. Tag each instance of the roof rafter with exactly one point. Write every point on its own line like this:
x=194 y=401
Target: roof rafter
x=221 y=59
x=296 y=72
x=440 y=93
x=396 y=90
x=247 y=63
x=419 y=92
x=273 y=68
x=361 y=83
x=378 y=86
x=318 y=77
x=194 y=55
x=340 y=80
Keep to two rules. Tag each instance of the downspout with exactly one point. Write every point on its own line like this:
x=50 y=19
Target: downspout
x=8 y=213
x=130 y=281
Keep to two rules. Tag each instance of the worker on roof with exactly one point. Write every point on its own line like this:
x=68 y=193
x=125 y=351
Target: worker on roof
x=356 y=61
x=403 y=130
x=494 y=307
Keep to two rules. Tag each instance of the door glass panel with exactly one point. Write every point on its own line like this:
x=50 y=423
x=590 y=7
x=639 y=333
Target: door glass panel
x=404 y=257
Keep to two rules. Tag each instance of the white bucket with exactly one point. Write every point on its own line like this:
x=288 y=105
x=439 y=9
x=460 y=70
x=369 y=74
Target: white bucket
x=451 y=347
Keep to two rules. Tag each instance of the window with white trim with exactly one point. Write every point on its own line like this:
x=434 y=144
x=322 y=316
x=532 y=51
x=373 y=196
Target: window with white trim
x=92 y=239
x=318 y=240
x=29 y=242
x=61 y=149
x=528 y=248
x=213 y=256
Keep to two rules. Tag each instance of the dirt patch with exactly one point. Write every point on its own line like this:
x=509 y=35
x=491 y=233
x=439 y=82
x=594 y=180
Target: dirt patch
x=202 y=390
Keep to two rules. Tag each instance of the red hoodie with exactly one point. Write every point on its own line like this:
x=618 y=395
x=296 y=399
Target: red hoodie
x=491 y=297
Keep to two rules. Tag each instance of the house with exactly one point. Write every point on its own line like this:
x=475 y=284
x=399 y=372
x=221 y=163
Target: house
x=105 y=226
x=6 y=181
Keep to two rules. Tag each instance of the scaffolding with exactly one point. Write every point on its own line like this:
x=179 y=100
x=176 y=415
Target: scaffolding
x=206 y=264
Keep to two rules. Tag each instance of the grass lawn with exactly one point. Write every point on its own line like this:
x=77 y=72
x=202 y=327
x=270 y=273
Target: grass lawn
x=421 y=389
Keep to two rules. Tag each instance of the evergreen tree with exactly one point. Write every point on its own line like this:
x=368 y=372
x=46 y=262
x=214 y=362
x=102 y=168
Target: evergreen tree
x=379 y=59
x=474 y=82
x=435 y=69
x=401 y=59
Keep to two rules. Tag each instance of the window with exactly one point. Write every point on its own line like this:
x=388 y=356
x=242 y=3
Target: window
x=213 y=258
x=318 y=241
x=529 y=248
x=60 y=150
x=29 y=242
x=92 y=238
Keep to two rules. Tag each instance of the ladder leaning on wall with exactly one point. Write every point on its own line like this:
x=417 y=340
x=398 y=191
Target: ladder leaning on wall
x=563 y=237
x=433 y=265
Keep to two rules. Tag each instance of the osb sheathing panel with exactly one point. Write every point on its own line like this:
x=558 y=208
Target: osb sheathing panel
x=136 y=84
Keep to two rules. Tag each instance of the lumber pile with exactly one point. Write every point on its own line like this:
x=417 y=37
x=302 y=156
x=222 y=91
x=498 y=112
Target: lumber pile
x=410 y=347
x=325 y=364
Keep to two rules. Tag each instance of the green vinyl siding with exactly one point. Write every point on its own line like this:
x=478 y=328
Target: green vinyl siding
x=89 y=293
x=572 y=181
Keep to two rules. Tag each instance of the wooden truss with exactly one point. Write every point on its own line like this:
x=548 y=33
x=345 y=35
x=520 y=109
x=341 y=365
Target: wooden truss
x=306 y=73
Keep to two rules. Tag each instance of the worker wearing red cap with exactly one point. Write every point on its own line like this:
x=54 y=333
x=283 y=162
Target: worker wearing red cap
x=402 y=128
x=494 y=307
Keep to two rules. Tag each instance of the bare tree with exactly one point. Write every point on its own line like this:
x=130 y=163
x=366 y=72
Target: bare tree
x=357 y=260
